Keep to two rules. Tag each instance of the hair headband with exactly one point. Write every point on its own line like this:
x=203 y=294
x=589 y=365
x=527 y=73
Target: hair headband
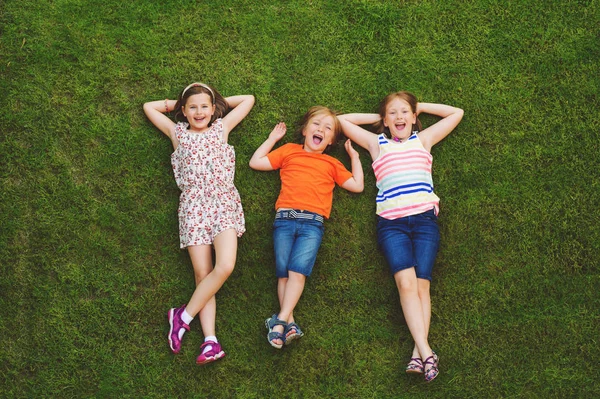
x=196 y=84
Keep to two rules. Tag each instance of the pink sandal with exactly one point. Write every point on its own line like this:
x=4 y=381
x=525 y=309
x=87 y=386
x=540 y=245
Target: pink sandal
x=415 y=366
x=431 y=372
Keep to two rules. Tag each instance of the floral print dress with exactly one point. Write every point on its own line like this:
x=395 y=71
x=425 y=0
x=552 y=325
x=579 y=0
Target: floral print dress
x=204 y=168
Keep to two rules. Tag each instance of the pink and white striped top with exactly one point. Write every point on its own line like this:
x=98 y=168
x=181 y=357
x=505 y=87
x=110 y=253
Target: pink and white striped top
x=403 y=173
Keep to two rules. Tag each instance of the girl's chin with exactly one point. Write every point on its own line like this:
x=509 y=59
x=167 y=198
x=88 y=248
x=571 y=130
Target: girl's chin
x=199 y=126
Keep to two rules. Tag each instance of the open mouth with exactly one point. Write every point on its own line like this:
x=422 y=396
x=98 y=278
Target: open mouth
x=400 y=126
x=317 y=139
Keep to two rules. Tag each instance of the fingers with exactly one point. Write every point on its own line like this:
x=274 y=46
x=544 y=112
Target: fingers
x=348 y=145
x=279 y=130
x=349 y=149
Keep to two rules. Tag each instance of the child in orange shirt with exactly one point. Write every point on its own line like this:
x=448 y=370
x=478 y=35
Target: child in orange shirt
x=308 y=177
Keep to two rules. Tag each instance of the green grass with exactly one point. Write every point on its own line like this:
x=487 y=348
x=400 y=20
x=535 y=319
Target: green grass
x=88 y=225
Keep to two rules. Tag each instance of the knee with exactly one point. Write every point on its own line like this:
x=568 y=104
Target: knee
x=407 y=287
x=224 y=269
x=199 y=275
x=297 y=277
x=423 y=292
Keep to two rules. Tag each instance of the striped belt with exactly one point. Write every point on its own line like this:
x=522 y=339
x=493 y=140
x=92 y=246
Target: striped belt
x=298 y=214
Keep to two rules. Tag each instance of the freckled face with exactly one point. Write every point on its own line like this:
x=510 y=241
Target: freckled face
x=399 y=118
x=319 y=133
x=198 y=110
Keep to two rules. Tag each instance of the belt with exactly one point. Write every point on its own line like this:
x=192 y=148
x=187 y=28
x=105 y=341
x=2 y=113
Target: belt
x=298 y=214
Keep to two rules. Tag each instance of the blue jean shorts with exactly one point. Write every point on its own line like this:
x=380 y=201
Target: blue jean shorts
x=297 y=237
x=411 y=241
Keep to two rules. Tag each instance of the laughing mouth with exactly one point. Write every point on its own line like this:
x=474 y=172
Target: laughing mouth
x=317 y=139
x=400 y=126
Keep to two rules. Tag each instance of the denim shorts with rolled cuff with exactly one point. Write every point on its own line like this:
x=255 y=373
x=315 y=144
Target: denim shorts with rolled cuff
x=297 y=237
x=411 y=241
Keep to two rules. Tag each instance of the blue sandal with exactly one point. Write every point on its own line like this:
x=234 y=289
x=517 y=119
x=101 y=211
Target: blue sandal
x=292 y=332
x=273 y=335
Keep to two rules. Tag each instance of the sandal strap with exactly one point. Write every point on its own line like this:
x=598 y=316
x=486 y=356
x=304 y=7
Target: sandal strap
x=273 y=321
x=274 y=335
x=294 y=326
x=430 y=360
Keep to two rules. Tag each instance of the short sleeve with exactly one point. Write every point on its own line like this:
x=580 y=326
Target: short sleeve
x=341 y=174
x=277 y=156
x=180 y=129
x=218 y=125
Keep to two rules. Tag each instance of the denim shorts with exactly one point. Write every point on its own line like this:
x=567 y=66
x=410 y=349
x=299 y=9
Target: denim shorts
x=296 y=237
x=411 y=241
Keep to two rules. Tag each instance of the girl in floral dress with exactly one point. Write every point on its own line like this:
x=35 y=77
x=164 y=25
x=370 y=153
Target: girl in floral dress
x=210 y=210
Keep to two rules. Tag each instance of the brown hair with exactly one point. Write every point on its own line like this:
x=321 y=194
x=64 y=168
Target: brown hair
x=313 y=112
x=407 y=96
x=221 y=106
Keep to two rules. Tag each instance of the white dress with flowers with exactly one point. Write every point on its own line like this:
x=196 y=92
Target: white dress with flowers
x=204 y=168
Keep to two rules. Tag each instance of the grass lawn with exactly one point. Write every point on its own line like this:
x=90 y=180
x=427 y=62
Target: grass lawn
x=89 y=247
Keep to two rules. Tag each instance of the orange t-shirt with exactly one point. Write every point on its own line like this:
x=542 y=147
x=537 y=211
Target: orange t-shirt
x=307 y=179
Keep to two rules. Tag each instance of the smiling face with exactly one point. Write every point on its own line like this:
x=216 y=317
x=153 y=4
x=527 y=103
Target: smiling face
x=399 y=118
x=198 y=110
x=318 y=133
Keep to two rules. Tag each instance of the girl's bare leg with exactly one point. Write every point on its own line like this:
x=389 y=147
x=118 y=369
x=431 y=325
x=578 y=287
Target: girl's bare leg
x=406 y=281
x=425 y=298
x=201 y=256
x=225 y=253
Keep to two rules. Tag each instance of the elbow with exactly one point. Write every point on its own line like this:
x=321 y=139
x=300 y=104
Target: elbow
x=253 y=164
x=147 y=107
x=357 y=188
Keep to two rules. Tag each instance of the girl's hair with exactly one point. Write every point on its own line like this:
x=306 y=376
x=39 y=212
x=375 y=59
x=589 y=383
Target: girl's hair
x=407 y=96
x=221 y=106
x=314 y=112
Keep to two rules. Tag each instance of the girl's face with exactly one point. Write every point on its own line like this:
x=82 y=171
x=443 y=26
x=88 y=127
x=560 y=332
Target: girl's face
x=399 y=118
x=319 y=133
x=198 y=110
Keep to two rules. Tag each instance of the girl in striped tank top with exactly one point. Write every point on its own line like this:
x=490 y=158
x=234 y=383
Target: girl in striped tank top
x=407 y=206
